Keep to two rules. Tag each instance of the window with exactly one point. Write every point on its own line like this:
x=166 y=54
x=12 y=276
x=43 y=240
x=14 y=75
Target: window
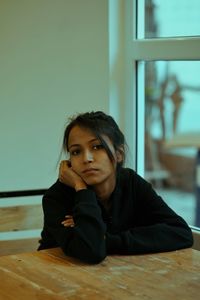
x=168 y=95
x=171 y=18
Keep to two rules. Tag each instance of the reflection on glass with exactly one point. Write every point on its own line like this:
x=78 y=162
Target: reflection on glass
x=172 y=132
x=172 y=18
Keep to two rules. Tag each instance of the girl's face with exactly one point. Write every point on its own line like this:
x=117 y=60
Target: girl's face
x=89 y=159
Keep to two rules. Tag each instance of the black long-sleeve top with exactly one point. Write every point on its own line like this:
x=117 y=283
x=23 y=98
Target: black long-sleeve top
x=138 y=221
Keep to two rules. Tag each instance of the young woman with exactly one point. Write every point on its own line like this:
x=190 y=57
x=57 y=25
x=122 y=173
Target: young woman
x=97 y=207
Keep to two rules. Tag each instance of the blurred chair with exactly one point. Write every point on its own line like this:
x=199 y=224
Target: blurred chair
x=163 y=161
x=180 y=170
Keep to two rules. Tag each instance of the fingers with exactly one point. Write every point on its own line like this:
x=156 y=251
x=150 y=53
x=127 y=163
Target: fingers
x=69 y=177
x=68 y=222
x=62 y=170
x=63 y=165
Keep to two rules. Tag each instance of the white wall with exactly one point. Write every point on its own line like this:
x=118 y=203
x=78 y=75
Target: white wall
x=53 y=63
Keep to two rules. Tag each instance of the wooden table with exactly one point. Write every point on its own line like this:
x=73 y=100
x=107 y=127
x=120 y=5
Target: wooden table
x=50 y=275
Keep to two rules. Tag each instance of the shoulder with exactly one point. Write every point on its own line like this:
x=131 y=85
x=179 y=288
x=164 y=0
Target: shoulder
x=129 y=174
x=128 y=177
x=126 y=173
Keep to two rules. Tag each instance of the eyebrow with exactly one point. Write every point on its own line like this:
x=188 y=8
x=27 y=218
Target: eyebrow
x=78 y=145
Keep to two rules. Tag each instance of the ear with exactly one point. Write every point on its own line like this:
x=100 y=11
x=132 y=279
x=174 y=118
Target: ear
x=120 y=154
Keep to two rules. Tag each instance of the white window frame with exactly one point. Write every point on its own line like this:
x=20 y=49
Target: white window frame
x=138 y=50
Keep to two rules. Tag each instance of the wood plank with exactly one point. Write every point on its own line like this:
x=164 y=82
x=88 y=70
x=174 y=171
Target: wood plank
x=51 y=275
x=17 y=218
x=18 y=246
x=21 y=218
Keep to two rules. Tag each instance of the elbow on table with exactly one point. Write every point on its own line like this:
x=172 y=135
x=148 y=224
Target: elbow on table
x=186 y=237
x=91 y=256
x=190 y=240
x=189 y=236
x=94 y=258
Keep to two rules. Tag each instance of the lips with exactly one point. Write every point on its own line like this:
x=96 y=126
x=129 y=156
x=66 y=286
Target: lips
x=90 y=170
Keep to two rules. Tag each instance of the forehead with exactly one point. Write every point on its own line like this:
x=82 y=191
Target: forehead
x=79 y=134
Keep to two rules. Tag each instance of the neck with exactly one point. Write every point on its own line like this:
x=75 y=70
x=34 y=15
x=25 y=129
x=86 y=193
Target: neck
x=105 y=189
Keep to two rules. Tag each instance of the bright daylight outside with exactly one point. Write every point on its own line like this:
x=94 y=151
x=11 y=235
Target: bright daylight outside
x=172 y=110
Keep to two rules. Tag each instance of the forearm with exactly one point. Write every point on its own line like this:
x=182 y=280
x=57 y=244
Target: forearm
x=86 y=240
x=148 y=239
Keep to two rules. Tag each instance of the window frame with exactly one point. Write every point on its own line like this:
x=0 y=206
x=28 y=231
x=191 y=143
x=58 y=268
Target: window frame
x=138 y=51
x=154 y=49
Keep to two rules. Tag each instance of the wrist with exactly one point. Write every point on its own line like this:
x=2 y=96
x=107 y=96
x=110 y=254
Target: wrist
x=80 y=186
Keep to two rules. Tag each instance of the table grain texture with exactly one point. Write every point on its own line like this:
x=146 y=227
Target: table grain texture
x=50 y=275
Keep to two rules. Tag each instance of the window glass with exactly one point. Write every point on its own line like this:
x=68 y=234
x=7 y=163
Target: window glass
x=171 y=18
x=172 y=134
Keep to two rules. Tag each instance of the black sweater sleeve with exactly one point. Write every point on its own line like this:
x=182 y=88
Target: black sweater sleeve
x=86 y=240
x=155 y=226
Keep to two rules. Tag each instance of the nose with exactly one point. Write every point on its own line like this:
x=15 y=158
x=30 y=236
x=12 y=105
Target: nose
x=88 y=157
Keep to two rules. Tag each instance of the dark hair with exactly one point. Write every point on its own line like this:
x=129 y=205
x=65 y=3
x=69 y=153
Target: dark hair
x=100 y=124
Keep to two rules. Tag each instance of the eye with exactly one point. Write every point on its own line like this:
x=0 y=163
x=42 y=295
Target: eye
x=97 y=146
x=74 y=152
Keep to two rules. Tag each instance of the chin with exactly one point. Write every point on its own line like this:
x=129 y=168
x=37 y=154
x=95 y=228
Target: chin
x=92 y=182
